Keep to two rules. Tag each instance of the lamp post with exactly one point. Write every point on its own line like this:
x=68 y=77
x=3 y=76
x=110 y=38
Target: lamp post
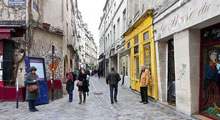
x=52 y=81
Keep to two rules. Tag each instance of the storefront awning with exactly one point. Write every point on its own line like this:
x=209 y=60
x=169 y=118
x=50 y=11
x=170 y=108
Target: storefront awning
x=5 y=33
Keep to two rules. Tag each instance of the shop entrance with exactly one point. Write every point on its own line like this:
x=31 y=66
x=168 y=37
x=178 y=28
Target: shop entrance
x=171 y=91
x=210 y=72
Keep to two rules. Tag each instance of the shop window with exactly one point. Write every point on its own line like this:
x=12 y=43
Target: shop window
x=128 y=45
x=136 y=49
x=147 y=55
x=146 y=35
x=136 y=39
x=137 y=67
x=210 y=81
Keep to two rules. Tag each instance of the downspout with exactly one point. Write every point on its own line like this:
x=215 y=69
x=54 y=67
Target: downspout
x=27 y=28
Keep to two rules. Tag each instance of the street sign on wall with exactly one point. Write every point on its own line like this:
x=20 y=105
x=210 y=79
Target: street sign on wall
x=16 y=3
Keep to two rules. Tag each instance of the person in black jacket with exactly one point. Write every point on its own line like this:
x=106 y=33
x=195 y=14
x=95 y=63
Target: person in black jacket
x=112 y=79
x=85 y=87
x=70 y=84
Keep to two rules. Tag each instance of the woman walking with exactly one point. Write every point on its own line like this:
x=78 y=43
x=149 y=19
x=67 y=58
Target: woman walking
x=32 y=92
x=82 y=85
x=70 y=85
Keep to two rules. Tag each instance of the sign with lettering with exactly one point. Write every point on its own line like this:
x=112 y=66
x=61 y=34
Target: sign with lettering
x=186 y=16
x=16 y=3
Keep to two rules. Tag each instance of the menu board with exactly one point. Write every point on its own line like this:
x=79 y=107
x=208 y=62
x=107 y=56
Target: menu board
x=39 y=64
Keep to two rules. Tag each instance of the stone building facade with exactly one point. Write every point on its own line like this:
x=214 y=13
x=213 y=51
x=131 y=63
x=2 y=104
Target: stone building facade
x=34 y=30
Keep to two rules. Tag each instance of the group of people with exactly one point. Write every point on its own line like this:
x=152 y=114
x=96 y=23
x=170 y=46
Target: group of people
x=83 y=83
x=82 y=78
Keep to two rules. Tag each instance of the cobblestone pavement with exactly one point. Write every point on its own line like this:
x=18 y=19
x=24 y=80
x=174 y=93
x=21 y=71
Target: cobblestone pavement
x=97 y=107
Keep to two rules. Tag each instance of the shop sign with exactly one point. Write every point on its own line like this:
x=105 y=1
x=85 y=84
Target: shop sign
x=16 y=3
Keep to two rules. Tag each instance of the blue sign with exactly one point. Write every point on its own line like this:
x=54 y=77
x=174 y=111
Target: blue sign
x=16 y=3
x=35 y=6
x=41 y=72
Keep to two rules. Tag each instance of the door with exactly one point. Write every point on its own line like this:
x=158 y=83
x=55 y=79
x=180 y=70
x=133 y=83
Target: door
x=136 y=73
x=171 y=91
x=147 y=62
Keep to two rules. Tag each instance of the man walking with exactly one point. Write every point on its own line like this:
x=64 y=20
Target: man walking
x=112 y=79
x=144 y=81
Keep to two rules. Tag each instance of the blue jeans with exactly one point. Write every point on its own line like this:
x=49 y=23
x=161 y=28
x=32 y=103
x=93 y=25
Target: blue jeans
x=70 y=92
x=115 y=89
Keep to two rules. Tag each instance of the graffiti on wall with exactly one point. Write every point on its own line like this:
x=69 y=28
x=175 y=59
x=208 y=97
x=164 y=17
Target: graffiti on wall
x=46 y=53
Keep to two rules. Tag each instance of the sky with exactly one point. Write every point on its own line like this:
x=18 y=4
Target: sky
x=92 y=11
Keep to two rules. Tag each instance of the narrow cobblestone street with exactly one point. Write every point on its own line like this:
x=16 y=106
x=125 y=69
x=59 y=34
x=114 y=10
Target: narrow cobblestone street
x=98 y=107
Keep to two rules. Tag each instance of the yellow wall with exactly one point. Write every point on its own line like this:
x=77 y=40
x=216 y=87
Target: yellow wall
x=144 y=25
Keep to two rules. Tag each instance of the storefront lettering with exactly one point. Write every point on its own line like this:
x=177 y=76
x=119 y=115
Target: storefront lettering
x=204 y=9
x=179 y=19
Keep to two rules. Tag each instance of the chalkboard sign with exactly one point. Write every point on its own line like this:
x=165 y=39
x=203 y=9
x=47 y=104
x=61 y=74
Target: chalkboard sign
x=211 y=34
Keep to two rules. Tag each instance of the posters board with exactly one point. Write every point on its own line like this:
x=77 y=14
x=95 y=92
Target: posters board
x=39 y=63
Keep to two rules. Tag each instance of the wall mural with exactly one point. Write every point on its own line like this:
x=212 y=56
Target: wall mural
x=210 y=89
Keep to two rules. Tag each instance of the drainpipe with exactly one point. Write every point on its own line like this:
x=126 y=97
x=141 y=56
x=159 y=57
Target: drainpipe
x=27 y=28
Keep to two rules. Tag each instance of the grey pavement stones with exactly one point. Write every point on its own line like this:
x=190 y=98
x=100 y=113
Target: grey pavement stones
x=97 y=107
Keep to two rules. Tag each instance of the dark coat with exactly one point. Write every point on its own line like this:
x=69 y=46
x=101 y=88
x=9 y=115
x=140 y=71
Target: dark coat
x=29 y=80
x=113 y=78
x=70 y=83
x=85 y=87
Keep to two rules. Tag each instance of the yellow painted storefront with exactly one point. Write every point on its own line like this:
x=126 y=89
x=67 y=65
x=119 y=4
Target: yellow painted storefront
x=140 y=44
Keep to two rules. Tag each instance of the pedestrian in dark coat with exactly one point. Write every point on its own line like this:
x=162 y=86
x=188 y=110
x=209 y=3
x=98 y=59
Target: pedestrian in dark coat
x=31 y=79
x=70 y=85
x=85 y=86
x=112 y=79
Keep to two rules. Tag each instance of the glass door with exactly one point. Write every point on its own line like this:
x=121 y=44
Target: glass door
x=147 y=62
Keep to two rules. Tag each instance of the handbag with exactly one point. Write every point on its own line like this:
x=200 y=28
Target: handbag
x=32 y=88
x=79 y=83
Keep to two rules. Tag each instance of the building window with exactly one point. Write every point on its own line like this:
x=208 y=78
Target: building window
x=136 y=49
x=136 y=39
x=124 y=20
x=128 y=45
x=146 y=35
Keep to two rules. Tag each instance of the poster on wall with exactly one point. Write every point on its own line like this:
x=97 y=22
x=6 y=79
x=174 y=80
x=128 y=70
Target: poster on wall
x=41 y=72
x=210 y=81
x=16 y=3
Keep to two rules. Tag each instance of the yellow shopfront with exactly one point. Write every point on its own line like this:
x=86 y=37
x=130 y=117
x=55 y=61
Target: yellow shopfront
x=140 y=44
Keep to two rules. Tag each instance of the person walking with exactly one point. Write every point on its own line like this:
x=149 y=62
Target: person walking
x=70 y=84
x=112 y=79
x=32 y=93
x=144 y=81
x=82 y=84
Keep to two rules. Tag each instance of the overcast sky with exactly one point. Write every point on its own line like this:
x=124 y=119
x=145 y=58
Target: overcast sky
x=91 y=12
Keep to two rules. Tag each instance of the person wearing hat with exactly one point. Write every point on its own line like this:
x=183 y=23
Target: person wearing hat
x=32 y=92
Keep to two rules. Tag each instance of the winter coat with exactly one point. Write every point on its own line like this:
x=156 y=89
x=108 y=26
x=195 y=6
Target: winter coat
x=145 y=78
x=85 y=87
x=29 y=80
x=113 y=78
x=70 y=82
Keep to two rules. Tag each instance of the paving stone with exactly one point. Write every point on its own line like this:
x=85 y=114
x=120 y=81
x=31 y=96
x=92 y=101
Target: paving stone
x=97 y=107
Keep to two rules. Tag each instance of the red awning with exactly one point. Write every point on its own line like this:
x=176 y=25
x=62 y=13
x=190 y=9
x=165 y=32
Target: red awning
x=5 y=33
